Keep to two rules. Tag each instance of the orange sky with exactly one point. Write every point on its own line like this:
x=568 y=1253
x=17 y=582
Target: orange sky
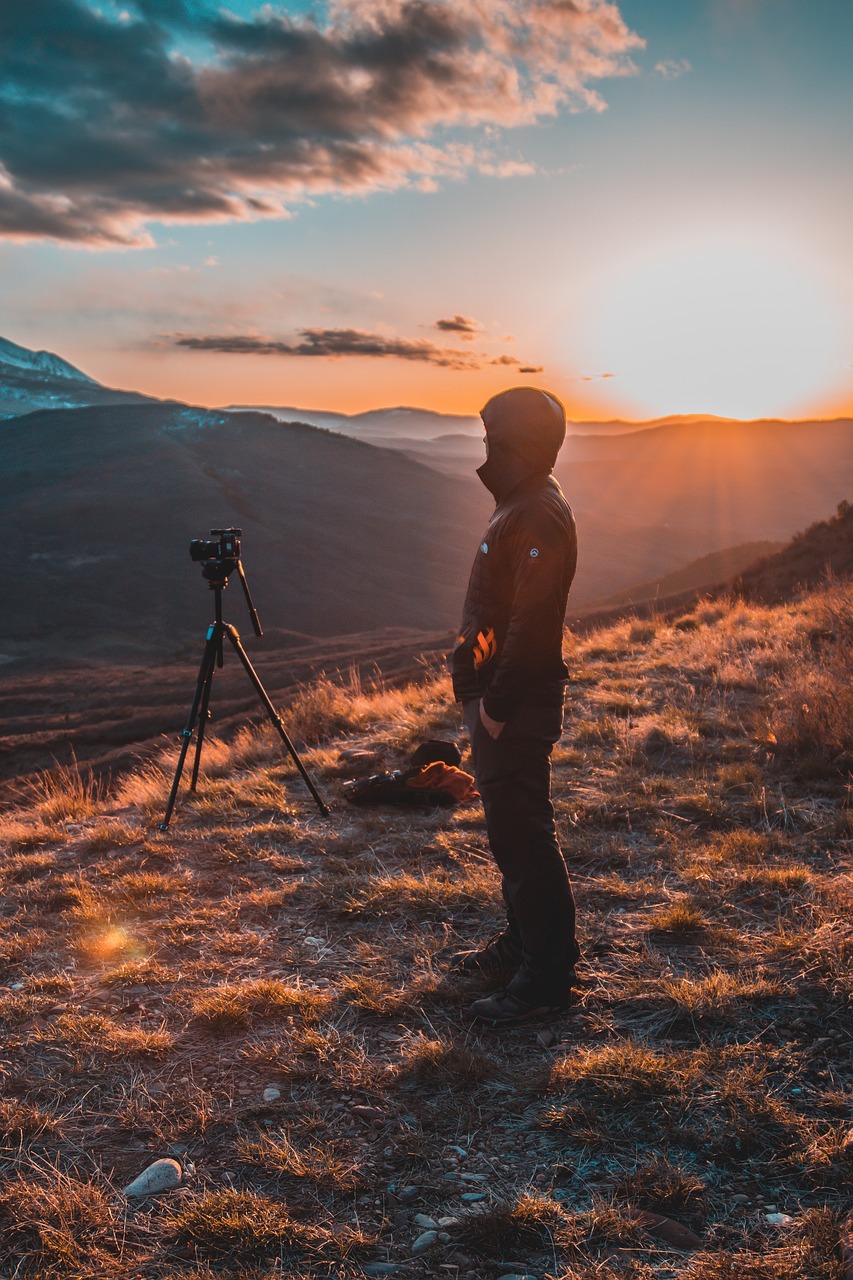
x=641 y=207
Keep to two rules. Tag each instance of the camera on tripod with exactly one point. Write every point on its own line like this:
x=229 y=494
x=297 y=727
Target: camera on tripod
x=220 y=556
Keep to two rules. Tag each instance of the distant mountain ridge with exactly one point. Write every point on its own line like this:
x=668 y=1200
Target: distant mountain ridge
x=405 y=425
x=32 y=380
x=40 y=362
x=403 y=421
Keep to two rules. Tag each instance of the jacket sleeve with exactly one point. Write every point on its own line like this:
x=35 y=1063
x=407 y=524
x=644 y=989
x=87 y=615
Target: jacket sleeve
x=538 y=555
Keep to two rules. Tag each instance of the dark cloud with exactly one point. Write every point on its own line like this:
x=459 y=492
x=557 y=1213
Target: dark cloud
x=343 y=342
x=518 y=364
x=167 y=112
x=330 y=342
x=463 y=326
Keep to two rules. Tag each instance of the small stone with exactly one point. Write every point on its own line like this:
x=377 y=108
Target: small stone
x=778 y=1219
x=460 y=1151
x=407 y=1194
x=381 y=1269
x=545 y=1039
x=423 y=1220
x=425 y=1241
x=271 y=1094
x=448 y=1222
x=178 y=1149
x=740 y=1198
x=366 y=1113
x=667 y=1229
x=473 y=1196
x=162 y=1175
x=353 y=756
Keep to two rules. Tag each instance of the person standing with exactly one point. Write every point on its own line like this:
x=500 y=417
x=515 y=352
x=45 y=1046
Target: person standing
x=509 y=675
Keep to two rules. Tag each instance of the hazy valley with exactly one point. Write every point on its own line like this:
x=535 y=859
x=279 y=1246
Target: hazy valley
x=355 y=553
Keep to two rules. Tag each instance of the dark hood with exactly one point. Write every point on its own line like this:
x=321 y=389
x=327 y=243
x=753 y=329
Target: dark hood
x=525 y=428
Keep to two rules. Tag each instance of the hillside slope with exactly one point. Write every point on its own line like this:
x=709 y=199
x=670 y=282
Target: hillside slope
x=822 y=552
x=101 y=504
x=707 y=571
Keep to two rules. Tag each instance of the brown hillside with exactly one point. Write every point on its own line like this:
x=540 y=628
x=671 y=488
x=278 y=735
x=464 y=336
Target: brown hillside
x=822 y=553
x=705 y=572
x=825 y=550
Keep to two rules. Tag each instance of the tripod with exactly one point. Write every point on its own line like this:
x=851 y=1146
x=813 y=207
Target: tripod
x=216 y=571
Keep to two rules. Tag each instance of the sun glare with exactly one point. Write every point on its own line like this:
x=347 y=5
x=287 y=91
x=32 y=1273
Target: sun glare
x=722 y=327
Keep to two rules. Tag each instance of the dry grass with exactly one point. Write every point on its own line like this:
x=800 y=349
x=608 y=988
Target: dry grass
x=254 y=1228
x=813 y=713
x=266 y=993
x=59 y=1225
x=231 y=1007
x=317 y=1162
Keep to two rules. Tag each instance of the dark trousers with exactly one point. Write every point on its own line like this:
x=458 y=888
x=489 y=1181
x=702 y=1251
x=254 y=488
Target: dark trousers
x=513 y=776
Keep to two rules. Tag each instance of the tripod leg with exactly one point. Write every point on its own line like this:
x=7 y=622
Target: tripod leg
x=204 y=714
x=205 y=676
x=273 y=715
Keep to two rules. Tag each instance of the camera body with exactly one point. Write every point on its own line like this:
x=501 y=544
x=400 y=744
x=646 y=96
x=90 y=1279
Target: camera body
x=224 y=544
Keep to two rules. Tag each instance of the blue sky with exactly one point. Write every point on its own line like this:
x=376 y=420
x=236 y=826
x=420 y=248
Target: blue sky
x=643 y=206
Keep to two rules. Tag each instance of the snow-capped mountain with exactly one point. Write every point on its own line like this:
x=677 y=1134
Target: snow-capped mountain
x=32 y=380
x=39 y=362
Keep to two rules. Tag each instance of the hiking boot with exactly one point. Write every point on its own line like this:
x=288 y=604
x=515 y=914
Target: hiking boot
x=506 y=1010
x=500 y=957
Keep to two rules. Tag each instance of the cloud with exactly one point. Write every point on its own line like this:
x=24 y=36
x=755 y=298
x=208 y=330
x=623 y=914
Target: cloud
x=519 y=364
x=330 y=343
x=671 y=68
x=463 y=326
x=335 y=343
x=171 y=112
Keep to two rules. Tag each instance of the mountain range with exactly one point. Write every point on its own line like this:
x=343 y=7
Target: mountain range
x=31 y=380
x=103 y=489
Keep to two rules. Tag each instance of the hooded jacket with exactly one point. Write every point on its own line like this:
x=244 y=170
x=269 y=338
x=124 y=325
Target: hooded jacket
x=509 y=649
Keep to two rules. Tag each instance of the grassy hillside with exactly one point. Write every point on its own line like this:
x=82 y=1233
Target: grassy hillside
x=262 y=994
x=109 y=717
x=823 y=551
x=719 y=566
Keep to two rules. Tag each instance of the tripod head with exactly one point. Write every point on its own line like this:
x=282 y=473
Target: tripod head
x=220 y=556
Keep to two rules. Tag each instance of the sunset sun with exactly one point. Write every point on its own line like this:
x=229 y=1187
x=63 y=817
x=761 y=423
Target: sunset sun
x=719 y=326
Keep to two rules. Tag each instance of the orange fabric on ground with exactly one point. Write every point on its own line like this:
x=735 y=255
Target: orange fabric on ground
x=445 y=777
